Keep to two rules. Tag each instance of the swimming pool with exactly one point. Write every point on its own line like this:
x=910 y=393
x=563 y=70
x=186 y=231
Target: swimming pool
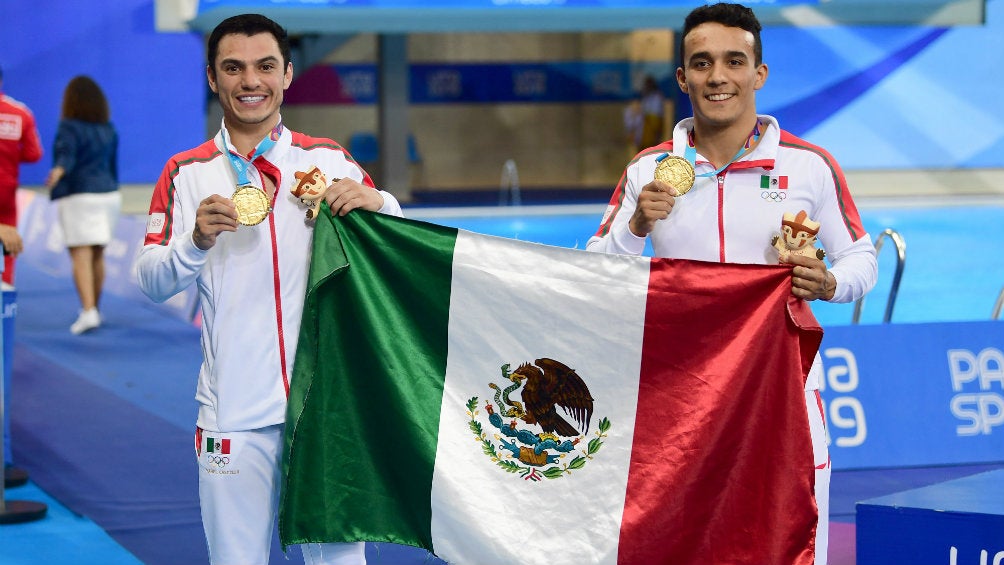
x=954 y=267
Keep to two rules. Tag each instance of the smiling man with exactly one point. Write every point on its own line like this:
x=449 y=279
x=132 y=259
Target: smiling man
x=719 y=189
x=223 y=217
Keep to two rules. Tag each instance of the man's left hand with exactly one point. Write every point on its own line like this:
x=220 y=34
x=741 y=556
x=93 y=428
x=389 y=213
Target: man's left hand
x=810 y=279
x=345 y=195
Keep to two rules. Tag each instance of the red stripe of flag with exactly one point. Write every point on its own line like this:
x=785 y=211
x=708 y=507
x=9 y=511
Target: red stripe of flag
x=721 y=469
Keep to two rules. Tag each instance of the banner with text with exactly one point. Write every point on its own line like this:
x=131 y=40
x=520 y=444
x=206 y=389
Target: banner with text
x=900 y=395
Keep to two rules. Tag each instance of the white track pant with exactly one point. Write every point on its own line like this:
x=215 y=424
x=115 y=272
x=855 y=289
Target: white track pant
x=821 y=458
x=239 y=476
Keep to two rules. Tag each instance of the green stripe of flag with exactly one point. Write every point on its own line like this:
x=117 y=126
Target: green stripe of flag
x=383 y=491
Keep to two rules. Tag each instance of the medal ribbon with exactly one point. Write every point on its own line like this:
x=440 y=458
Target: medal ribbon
x=240 y=165
x=690 y=153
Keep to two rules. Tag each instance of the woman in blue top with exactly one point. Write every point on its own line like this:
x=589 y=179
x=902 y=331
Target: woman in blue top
x=84 y=184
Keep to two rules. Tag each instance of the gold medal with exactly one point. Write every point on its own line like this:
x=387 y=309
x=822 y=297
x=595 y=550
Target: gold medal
x=252 y=204
x=676 y=172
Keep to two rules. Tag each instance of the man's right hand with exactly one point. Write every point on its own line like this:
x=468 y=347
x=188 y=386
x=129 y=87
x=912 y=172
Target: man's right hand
x=655 y=202
x=215 y=215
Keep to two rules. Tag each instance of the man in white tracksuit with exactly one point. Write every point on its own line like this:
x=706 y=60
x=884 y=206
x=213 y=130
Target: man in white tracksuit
x=749 y=173
x=222 y=217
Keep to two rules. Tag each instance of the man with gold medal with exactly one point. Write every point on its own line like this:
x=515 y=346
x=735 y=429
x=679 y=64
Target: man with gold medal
x=222 y=217
x=718 y=191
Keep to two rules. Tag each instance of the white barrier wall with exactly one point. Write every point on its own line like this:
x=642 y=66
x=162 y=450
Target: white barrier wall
x=45 y=249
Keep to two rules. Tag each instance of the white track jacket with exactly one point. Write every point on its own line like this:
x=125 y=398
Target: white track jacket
x=251 y=283
x=731 y=217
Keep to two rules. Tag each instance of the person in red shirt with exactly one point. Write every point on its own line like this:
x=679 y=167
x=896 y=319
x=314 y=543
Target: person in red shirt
x=19 y=143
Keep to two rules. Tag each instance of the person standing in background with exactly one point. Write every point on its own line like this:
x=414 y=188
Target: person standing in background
x=84 y=184
x=634 y=126
x=19 y=143
x=653 y=111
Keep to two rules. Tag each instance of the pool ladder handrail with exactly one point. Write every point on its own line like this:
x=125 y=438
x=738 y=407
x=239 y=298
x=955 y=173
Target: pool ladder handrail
x=900 y=244
x=996 y=314
x=509 y=185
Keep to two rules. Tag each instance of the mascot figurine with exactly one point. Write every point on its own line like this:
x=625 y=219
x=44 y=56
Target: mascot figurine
x=797 y=237
x=309 y=187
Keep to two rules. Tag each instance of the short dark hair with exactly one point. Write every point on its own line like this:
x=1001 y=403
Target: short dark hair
x=249 y=25
x=729 y=15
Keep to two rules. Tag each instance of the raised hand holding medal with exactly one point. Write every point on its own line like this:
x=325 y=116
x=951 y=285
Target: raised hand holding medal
x=678 y=172
x=655 y=202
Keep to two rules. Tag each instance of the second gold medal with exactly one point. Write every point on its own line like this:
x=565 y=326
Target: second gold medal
x=676 y=172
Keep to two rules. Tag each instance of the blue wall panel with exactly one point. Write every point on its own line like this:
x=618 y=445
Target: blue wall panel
x=155 y=82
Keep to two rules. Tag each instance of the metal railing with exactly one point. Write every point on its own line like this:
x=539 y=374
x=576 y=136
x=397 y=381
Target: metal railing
x=509 y=185
x=897 y=277
x=996 y=314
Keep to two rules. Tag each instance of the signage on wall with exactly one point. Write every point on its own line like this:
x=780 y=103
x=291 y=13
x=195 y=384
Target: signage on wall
x=898 y=395
x=560 y=82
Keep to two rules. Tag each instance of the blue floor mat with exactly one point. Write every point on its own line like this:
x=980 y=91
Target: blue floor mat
x=104 y=421
x=60 y=538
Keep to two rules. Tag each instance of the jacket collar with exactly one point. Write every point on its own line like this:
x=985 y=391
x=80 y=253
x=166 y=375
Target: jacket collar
x=763 y=155
x=223 y=143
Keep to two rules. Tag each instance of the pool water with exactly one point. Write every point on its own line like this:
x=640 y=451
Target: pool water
x=954 y=267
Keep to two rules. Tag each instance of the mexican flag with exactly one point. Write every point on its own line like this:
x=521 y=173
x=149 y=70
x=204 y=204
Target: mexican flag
x=216 y=445
x=500 y=402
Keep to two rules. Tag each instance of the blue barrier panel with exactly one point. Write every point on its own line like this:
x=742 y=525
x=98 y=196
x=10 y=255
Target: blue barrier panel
x=900 y=395
x=958 y=522
x=7 y=337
